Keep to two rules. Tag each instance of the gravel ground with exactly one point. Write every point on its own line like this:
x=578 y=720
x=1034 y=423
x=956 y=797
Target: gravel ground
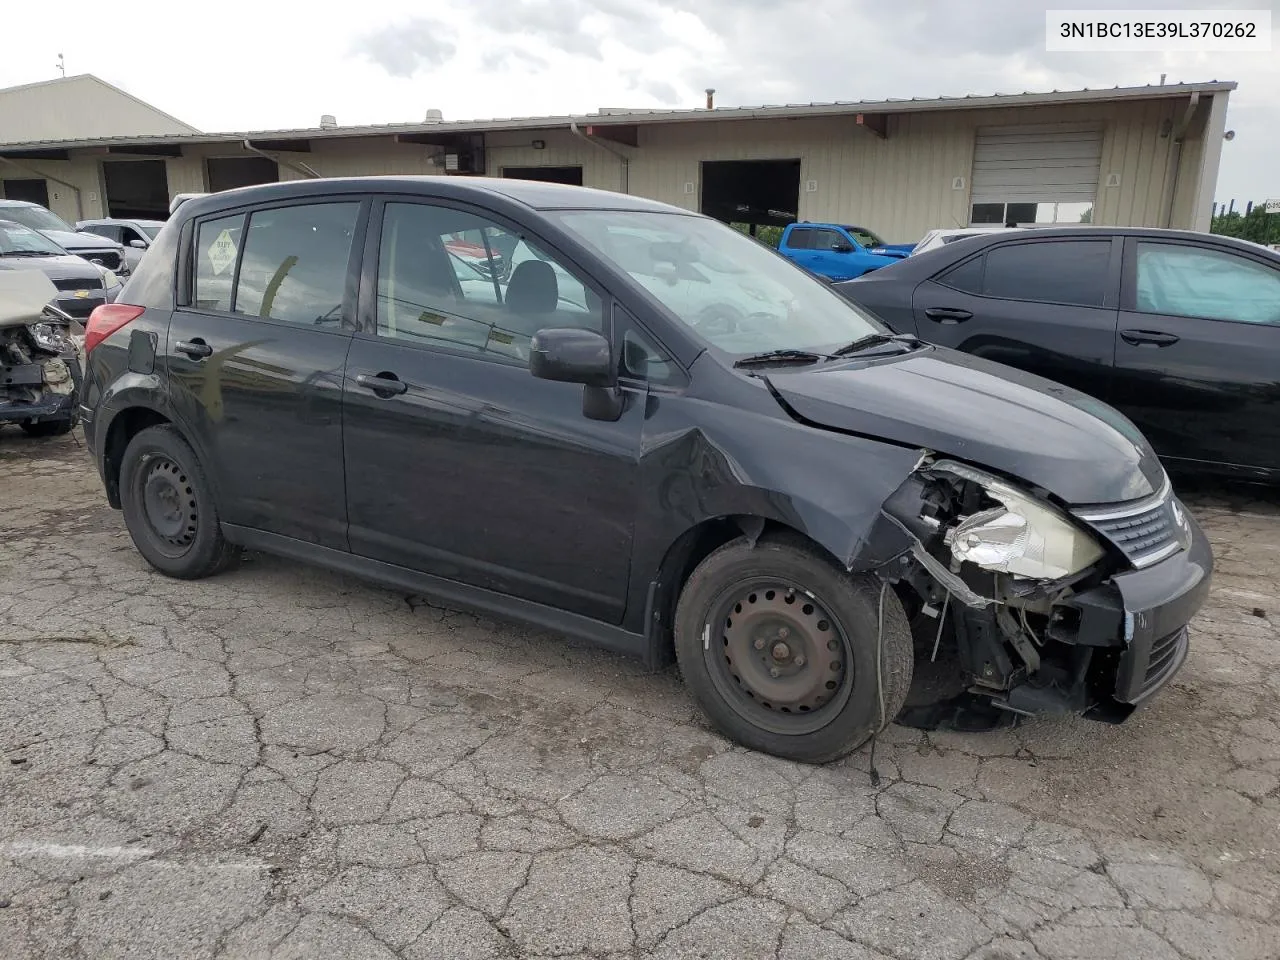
x=286 y=763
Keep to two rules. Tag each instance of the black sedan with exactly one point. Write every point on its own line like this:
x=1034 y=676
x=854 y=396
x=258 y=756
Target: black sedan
x=1179 y=330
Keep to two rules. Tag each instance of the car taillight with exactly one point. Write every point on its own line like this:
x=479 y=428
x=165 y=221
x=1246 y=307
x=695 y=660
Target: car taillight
x=106 y=320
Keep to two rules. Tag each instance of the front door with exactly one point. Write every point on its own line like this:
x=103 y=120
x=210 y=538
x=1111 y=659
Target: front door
x=1047 y=307
x=458 y=462
x=255 y=362
x=1198 y=352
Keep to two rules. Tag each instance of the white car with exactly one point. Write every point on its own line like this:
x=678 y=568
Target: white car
x=937 y=238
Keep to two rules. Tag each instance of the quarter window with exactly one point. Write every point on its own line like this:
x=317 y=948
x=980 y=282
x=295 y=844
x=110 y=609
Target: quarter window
x=217 y=248
x=451 y=278
x=1059 y=271
x=1185 y=281
x=967 y=276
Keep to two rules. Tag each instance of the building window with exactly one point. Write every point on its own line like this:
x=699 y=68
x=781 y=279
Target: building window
x=1024 y=214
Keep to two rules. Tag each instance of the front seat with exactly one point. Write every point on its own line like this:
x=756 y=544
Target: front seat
x=533 y=290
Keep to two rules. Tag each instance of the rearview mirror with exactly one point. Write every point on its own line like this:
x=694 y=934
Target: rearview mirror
x=572 y=355
x=137 y=244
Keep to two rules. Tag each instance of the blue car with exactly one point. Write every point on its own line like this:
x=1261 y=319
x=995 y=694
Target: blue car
x=836 y=251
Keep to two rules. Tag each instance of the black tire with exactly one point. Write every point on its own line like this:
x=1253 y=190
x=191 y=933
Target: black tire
x=47 y=428
x=811 y=722
x=169 y=507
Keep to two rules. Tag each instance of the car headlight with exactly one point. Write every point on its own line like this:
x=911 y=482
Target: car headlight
x=1023 y=537
x=50 y=337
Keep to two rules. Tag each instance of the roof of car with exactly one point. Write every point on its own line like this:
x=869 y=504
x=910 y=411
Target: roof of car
x=533 y=194
x=107 y=220
x=18 y=203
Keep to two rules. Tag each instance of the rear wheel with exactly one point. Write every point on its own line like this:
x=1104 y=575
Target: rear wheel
x=47 y=428
x=168 y=506
x=785 y=651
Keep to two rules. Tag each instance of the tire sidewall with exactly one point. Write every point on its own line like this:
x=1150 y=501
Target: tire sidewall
x=852 y=602
x=199 y=555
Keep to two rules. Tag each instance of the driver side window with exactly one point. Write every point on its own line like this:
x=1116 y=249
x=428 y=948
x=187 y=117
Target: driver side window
x=451 y=278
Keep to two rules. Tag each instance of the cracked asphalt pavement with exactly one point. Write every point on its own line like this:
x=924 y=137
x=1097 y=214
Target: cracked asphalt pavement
x=282 y=763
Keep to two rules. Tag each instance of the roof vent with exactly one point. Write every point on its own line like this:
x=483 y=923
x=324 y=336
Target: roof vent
x=328 y=121
x=433 y=116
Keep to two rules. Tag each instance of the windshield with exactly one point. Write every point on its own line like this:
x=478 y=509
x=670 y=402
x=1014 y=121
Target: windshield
x=739 y=295
x=37 y=218
x=17 y=239
x=865 y=237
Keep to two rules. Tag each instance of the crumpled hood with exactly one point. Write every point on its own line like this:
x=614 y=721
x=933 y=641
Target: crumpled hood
x=81 y=241
x=1077 y=448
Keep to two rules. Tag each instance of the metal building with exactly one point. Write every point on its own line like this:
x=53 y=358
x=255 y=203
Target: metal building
x=1142 y=156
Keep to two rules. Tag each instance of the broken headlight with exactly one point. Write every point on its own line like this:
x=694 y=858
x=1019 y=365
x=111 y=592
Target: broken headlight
x=1024 y=537
x=48 y=336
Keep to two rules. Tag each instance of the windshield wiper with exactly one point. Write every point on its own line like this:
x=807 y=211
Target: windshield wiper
x=781 y=356
x=26 y=253
x=875 y=340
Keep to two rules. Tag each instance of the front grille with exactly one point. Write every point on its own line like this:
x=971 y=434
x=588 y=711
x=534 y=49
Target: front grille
x=1145 y=531
x=108 y=258
x=95 y=285
x=1166 y=654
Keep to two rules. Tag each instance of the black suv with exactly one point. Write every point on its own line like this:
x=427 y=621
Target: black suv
x=644 y=429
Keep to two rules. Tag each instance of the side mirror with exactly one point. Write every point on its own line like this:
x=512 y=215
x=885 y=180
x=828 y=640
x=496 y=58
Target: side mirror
x=137 y=244
x=572 y=355
x=842 y=248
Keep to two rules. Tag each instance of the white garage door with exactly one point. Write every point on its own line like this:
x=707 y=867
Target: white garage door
x=1044 y=173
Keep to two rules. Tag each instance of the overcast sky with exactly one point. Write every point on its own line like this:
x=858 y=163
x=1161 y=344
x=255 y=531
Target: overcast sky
x=237 y=65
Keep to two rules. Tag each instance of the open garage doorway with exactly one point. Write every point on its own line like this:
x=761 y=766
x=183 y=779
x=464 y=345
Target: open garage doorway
x=759 y=197
x=227 y=173
x=136 y=189
x=570 y=175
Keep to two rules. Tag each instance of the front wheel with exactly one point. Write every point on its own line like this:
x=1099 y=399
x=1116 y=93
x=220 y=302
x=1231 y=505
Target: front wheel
x=169 y=508
x=789 y=654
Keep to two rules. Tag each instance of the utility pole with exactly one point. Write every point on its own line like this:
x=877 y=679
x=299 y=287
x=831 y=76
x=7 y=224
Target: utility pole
x=62 y=65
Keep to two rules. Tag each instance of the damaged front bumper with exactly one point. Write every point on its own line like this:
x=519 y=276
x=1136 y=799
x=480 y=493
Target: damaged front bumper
x=1098 y=642
x=41 y=391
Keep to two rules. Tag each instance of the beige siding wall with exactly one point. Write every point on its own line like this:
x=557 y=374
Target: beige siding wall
x=77 y=108
x=900 y=186
x=83 y=174
x=600 y=168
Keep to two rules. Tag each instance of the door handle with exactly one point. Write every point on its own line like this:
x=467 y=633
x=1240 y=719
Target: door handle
x=1153 y=338
x=384 y=384
x=196 y=348
x=947 y=314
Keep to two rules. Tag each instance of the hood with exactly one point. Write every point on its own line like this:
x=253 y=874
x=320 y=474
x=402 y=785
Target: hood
x=80 y=241
x=23 y=294
x=1026 y=427
x=59 y=267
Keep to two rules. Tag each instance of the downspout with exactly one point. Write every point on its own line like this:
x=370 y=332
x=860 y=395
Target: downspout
x=44 y=176
x=297 y=166
x=1179 y=132
x=616 y=151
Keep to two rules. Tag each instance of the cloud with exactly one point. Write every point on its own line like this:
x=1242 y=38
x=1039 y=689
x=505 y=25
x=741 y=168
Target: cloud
x=406 y=48
x=512 y=59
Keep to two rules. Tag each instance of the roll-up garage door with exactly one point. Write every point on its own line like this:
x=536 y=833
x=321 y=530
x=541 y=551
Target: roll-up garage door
x=1041 y=163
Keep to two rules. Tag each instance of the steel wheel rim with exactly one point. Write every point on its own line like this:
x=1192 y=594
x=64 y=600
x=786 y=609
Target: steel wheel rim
x=169 y=506
x=777 y=656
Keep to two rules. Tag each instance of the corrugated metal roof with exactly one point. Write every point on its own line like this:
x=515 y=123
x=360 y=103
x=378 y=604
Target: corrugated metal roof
x=779 y=112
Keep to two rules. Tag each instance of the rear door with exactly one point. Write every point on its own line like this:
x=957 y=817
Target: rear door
x=1045 y=306
x=1198 y=351
x=459 y=463
x=255 y=356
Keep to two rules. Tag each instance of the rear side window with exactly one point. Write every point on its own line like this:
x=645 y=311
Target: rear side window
x=294 y=265
x=966 y=276
x=1184 y=281
x=217 y=247
x=1066 y=271
x=801 y=239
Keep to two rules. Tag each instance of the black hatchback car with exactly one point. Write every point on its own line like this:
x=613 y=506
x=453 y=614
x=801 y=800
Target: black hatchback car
x=646 y=429
x=1178 y=330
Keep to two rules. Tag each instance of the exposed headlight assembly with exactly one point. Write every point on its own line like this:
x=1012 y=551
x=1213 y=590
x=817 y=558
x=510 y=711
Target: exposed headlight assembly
x=1024 y=537
x=50 y=337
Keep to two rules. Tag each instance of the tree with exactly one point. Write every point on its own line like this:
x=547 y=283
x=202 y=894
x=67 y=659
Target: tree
x=1258 y=225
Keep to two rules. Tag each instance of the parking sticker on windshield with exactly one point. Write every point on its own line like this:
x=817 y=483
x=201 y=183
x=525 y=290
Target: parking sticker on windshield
x=222 y=252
